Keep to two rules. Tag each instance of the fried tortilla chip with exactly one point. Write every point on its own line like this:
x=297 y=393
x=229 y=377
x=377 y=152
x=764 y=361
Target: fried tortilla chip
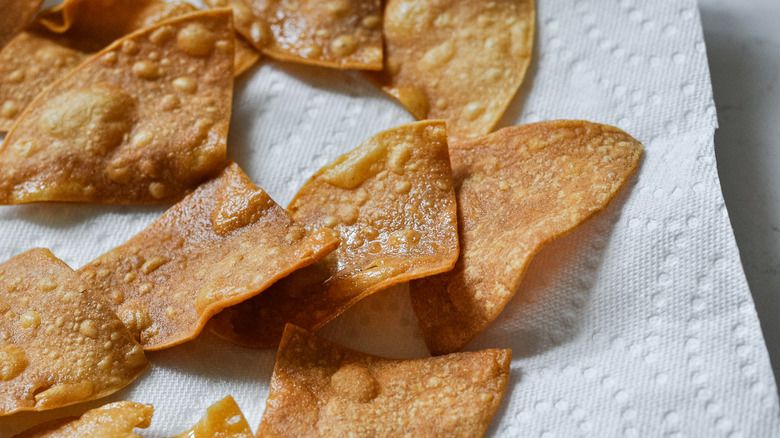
x=320 y=388
x=223 y=419
x=16 y=14
x=60 y=343
x=145 y=120
x=392 y=202
x=461 y=61
x=517 y=189
x=66 y=35
x=334 y=33
x=114 y=420
x=224 y=243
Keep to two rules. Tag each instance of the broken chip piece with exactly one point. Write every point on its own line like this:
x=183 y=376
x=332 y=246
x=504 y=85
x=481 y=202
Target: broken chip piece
x=517 y=189
x=392 y=202
x=60 y=343
x=224 y=243
x=16 y=15
x=223 y=419
x=320 y=388
x=143 y=121
x=335 y=33
x=462 y=61
x=114 y=420
x=66 y=35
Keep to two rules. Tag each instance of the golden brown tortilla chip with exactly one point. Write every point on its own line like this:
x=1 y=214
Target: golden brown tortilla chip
x=66 y=35
x=517 y=189
x=114 y=420
x=462 y=61
x=223 y=419
x=320 y=388
x=392 y=202
x=14 y=16
x=224 y=243
x=60 y=343
x=145 y=120
x=330 y=33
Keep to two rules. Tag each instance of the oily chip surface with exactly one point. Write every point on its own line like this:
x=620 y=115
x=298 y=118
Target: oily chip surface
x=223 y=419
x=65 y=36
x=330 y=33
x=517 y=189
x=60 y=343
x=16 y=15
x=114 y=420
x=391 y=201
x=462 y=61
x=320 y=388
x=145 y=120
x=222 y=244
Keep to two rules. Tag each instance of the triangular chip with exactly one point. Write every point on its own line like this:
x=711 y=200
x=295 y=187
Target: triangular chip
x=60 y=343
x=114 y=420
x=222 y=419
x=320 y=388
x=145 y=120
x=71 y=32
x=224 y=243
x=16 y=14
x=462 y=61
x=334 y=33
x=517 y=189
x=392 y=202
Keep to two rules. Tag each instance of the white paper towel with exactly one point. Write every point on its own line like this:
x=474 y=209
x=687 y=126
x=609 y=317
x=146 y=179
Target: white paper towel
x=638 y=324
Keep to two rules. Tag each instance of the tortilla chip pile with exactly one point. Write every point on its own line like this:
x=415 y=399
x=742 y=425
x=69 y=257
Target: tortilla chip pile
x=59 y=342
x=111 y=420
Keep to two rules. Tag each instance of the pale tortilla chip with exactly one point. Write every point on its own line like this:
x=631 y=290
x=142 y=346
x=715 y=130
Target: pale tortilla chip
x=66 y=35
x=392 y=202
x=517 y=189
x=114 y=420
x=223 y=419
x=60 y=343
x=145 y=120
x=320 y=388
x=16 y=14
x=462 y=61
x=224 y=243
x=332 y=33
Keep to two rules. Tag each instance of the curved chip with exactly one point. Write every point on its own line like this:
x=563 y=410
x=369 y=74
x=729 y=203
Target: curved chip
x=224 y=243
x=66 y=35
x=16 y=15
x=60 y=344
x=222 y=419
x=115 y=420
x=517 y=189
x=333 y=33
x=143 y=121
x=462 y=61
x=320 y=388
x=392 y=202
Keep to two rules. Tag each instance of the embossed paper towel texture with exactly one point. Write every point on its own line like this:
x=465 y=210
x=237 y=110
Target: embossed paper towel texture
x=638 y=324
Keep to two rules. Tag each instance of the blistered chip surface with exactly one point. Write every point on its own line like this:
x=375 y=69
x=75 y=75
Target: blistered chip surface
x=114 y=420
x=223 y=419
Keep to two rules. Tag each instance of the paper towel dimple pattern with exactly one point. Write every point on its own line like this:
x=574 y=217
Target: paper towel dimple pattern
x=638 y=324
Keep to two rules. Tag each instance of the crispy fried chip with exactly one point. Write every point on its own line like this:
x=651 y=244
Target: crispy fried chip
x=60 y=344
x=223 y=419
x=68 y=34
x=114 y=420
x=16 y=14
x=334 y=33
x=462 y=61
x=222 y=244
x=320 y=388
x=517 y=189
x=143 y=121
x=393 y=204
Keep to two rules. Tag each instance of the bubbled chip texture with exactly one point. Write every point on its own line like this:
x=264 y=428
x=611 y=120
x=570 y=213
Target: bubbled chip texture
x=640 y=323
